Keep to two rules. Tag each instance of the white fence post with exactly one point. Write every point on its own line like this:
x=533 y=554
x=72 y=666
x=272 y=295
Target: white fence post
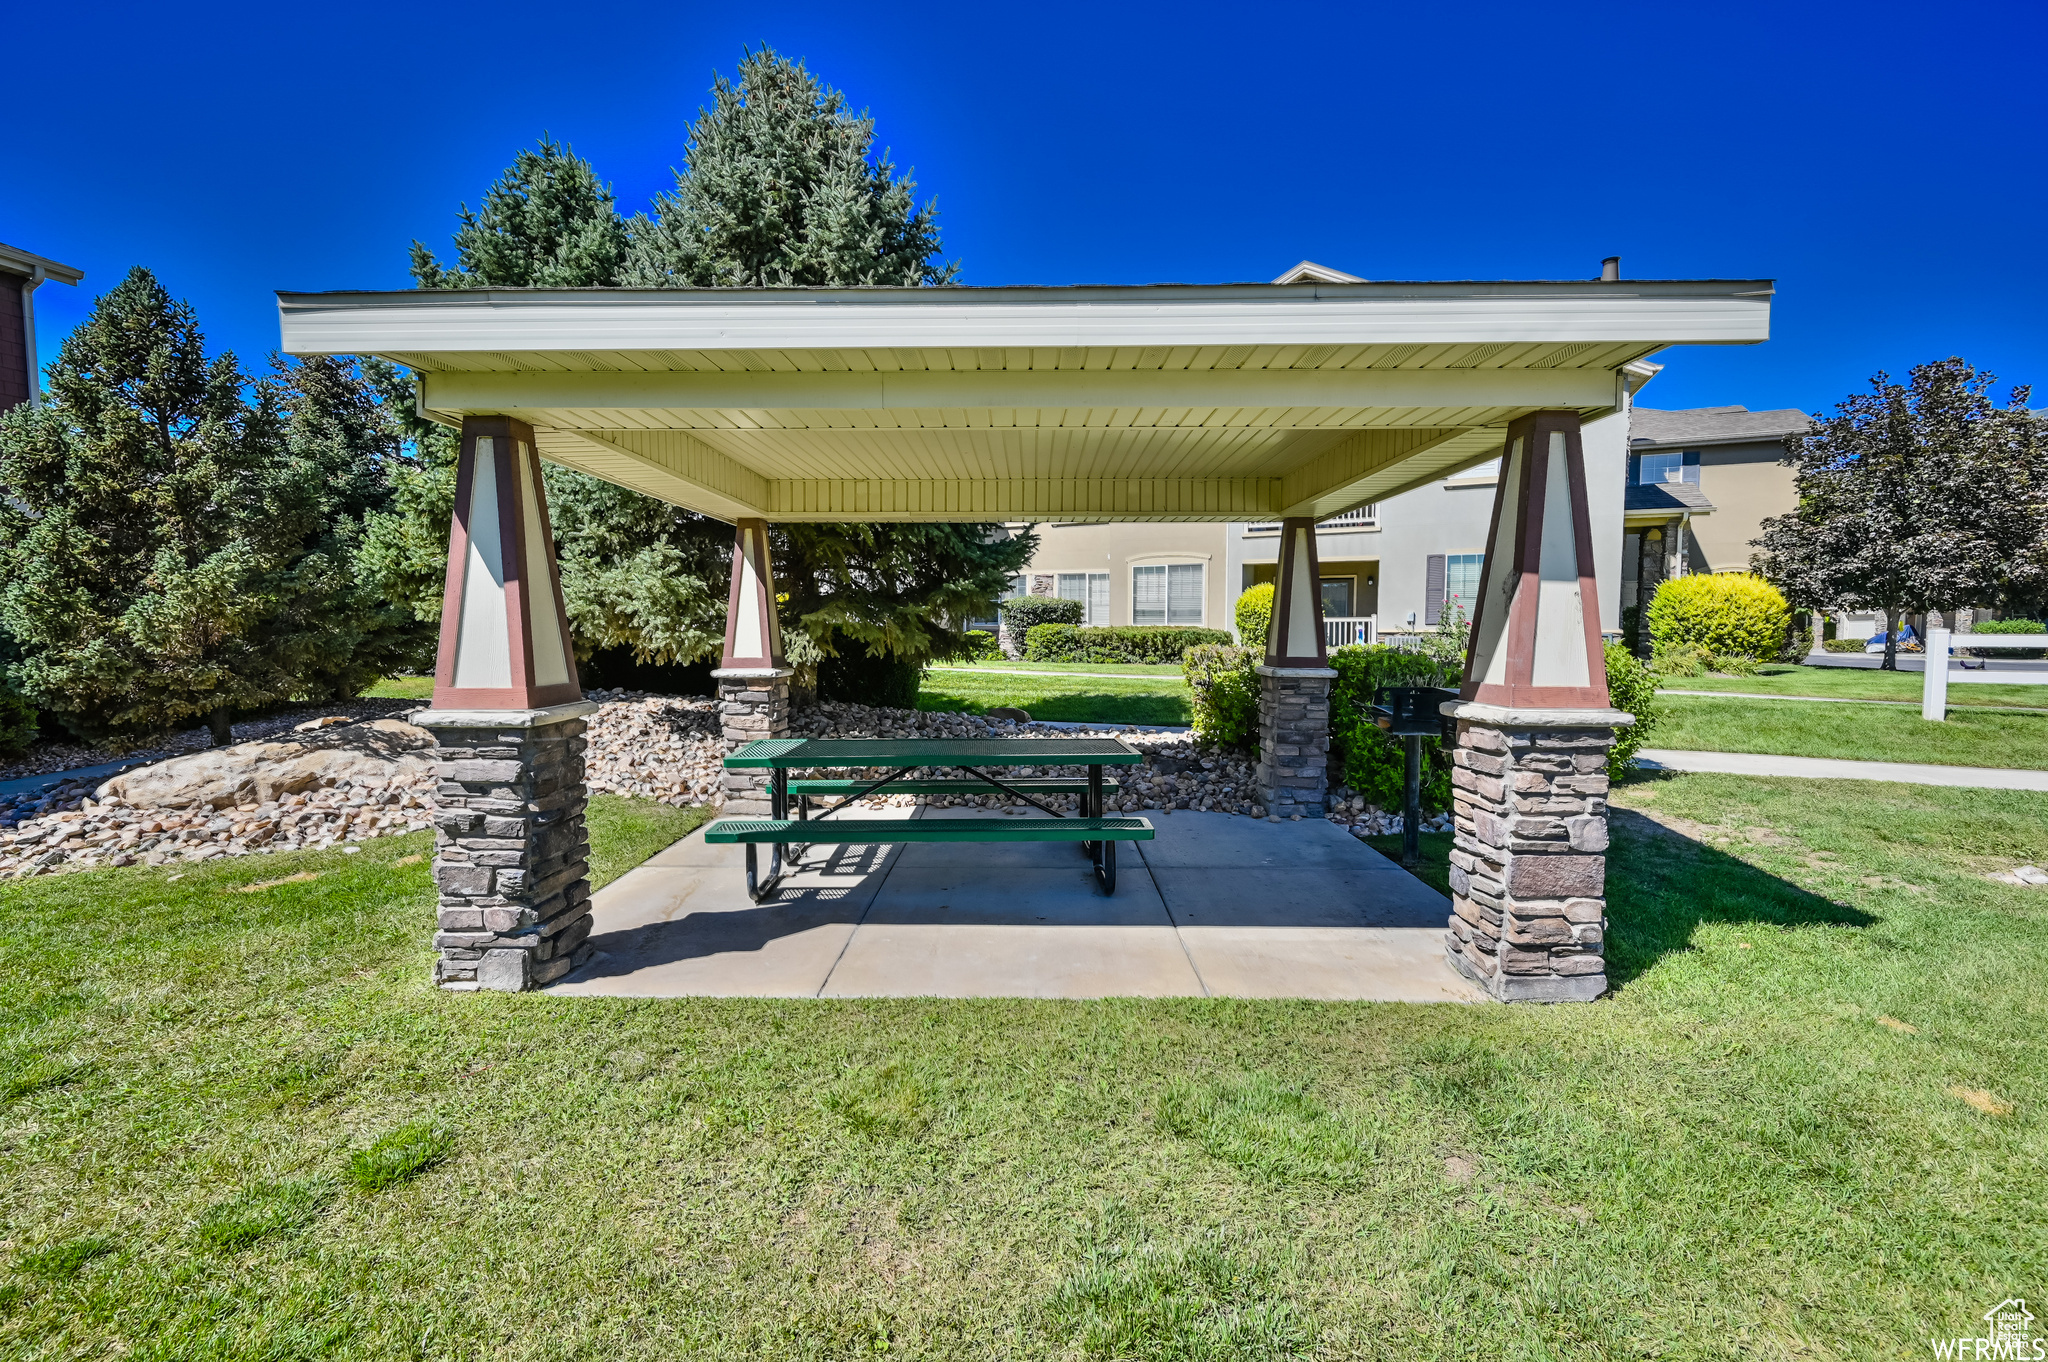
x=1934 y=686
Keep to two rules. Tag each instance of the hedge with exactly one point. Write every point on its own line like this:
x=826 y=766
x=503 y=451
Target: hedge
x=1368 y=759
x=2007 y=627
x=1116 y=643
x=1024 y=613
x=1225 y=683
x=1721 y=612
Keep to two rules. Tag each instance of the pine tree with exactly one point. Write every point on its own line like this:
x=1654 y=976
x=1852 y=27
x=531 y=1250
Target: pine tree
x=783 y=187
x=546 y=223
x=170 y=548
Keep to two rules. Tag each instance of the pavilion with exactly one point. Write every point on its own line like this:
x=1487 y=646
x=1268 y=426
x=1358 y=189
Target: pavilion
x=1269 y=402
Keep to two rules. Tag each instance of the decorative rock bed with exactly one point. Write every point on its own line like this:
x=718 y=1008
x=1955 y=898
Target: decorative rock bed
x=663 y=748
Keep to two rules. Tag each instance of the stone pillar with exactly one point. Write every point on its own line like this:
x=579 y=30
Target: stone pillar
x=753 y=679
x=510 y=848
x=1529 y=866
x=1294 y=685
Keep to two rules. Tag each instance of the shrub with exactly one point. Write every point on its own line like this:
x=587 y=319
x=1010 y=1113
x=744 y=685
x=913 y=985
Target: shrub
x=1118 y=643
x=1226 y=688
x=1988 y=627
x=1721 y=612
x=982 y=646
x=1844 y=645
x=1678 y=659
x=1371 y=761
x=1254 y=615
x=1024 y=613
x=1632 y=689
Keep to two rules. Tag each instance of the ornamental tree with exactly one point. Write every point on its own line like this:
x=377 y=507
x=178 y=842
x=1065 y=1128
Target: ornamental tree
x=1921 y=496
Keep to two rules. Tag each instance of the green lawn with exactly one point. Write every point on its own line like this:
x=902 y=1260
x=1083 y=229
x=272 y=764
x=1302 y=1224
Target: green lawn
x=1169 y=670
x=1866 y=732
x=403 y=688
x=1846 y=683
x=1161 y=699
x=1809 y=1124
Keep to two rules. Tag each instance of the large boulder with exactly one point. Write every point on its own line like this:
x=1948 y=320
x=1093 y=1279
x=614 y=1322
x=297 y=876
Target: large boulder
x=319 y=753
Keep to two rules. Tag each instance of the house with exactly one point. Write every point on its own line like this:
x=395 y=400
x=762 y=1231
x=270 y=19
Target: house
x=1701 y=482
x=1397 y=566
x=20 y=275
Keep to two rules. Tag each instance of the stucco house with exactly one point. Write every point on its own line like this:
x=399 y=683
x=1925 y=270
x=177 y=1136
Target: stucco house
x=20 y=275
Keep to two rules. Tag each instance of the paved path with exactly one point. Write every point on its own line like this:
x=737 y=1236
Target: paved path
x=1843 y=700
x=1214 y=907
x=1836 y=768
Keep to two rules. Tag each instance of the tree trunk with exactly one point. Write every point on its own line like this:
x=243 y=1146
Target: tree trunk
x=1891 y=640
x=217 y=724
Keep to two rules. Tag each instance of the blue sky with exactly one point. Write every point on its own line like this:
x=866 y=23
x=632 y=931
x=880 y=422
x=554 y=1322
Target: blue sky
x=1882 y=162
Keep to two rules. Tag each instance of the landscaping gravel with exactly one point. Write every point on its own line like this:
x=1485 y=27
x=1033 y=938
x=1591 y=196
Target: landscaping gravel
x=664 y=748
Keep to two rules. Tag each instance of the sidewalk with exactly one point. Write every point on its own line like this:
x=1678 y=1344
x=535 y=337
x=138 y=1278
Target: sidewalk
x=1836 y=768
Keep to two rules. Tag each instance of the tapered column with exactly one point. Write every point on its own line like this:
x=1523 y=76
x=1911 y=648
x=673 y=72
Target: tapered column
x=753 y=679
x=1294 y=685
x=510 y=854
x=1529 y=864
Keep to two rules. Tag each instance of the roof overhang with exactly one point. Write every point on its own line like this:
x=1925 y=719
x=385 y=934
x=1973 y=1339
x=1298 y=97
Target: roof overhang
x=17 y=261
x=1161 y=402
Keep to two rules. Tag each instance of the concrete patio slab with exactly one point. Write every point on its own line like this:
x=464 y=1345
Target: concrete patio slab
x=1404 y=964
x=1213 y=906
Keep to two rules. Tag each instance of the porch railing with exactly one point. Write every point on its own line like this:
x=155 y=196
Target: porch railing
x=1350 y=629
x=1364 y=518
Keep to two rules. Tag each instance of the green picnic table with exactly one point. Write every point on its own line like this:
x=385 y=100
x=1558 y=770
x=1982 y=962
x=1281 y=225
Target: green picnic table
x=976 y=757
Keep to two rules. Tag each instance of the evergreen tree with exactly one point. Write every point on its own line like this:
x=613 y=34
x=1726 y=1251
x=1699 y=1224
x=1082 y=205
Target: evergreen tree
x=546 y=223
x=783 y=187
x=171 y=549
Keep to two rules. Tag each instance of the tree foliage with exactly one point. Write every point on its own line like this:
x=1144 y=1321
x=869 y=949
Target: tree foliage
x=1914 y=496
x=547 y=223
x=782 y=187
x=177 y=541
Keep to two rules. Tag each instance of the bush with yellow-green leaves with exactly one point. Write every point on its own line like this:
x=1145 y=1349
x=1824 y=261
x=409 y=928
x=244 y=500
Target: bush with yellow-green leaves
x=1720 y=613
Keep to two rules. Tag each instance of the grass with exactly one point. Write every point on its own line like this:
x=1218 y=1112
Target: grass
x=1144 y=699
x=403 y=688
x=1851 y=683
x=1867 y=733
x=1169 y=670
x=1809 y=1123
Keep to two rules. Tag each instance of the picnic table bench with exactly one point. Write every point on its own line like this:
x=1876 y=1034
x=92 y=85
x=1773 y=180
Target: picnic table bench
x=1096 y=834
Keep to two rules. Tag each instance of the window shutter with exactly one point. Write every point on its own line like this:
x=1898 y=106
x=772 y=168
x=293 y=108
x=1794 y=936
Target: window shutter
x=1690 y=467
x=1635 y=470
x=1433 y=590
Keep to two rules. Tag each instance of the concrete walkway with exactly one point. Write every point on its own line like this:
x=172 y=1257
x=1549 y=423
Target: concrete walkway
x=1214 y=907
x=1836 y=768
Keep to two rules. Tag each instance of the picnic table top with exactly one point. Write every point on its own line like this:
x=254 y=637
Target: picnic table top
x=794 y=753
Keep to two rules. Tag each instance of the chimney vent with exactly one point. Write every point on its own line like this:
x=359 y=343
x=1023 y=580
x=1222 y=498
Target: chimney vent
x=1610 y=269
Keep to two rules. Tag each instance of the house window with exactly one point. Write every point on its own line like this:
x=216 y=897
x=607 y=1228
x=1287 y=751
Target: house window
x=1169 y=593
x=1092 y=590
x=1672 y=467
x=1450 y=578
x=1337 y=598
